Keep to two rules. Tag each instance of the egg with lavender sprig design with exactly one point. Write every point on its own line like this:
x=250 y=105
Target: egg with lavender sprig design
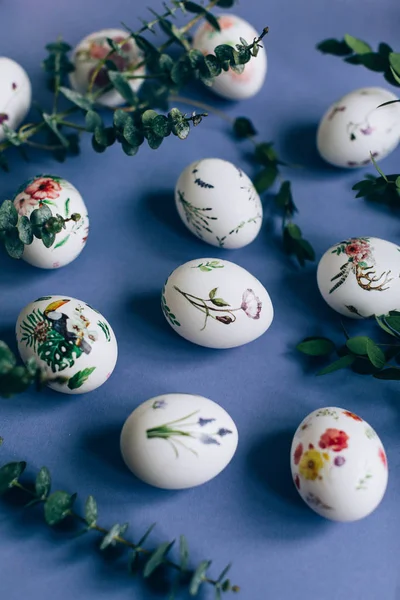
x=15 y=94
x=357 y=126
x=61 y=198
x=360 y=277
x=230 y=84
x=215 y=303
x=217 y=202
x=177 y=441
x=338 y=464
x=72 y=343
x=94 y=48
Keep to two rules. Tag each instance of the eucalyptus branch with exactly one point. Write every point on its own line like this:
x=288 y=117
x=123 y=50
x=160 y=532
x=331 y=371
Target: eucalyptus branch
x=358 y=52
x=16 y=231
x=361 y=353
x=59 y=506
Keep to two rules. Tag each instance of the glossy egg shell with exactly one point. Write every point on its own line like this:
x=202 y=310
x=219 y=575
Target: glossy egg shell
x=69 y=339
x=338 y=464
x=218 y=203
x=229 y=84
x=354 y=126
x=94 y=48
x=360 y=277
x=62 y=198
x=215 y=303
x=177 y=441
x=15 y=94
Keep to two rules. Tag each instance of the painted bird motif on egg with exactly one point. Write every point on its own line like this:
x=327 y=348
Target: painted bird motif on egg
x=218 y=203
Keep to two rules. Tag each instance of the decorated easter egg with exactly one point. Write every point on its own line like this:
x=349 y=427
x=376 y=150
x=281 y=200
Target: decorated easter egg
x=338 y=464
x=62 y=198
x=15 y=94
x=71 y=342
x=360 y=277
x=94 y=48
x=218 y=203
x=177 y=441
x=354 y=127
x=229 y=84
x=216 y=303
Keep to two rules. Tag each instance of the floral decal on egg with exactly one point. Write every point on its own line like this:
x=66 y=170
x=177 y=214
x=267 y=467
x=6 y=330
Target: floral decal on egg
x=334 y=439
x=98 y=49
x=360 y=262
x=180 y=432
x=220 y=310
x=58 y=339
x=44 y=190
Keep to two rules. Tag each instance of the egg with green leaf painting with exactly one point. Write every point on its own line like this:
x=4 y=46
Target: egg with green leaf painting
x=215 y=303
x=72 y=343
x=61 y=198
x=218 y=203
x=177 y=441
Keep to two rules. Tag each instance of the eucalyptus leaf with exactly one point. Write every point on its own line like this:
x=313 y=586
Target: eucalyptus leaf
x=265 y=178
x=13 y=245
x=94 y=120
x=122 y=86
x=375 y=354
x=9 y=474
x=315 y=346
x=358 y=345
x=358 y=46
x=43 y=483
x=157 y=558
x=25 y=230
x=394 y=59
x=8 y=216
x=243 y=128
x=341 y=363
x=58 y=507
x=76 y=98
x=198 y=577
x=40 y=215
x=91 y=511
x=183 y=553
x=7 y=359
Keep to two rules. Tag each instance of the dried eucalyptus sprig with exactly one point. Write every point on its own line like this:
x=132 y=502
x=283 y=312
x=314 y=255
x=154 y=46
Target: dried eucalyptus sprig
x=361 y=353
x=58 y=506
x=16 y=232
x=165 y=75
x=358 y=52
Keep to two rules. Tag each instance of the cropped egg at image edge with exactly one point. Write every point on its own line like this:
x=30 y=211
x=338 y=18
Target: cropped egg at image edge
x=199 y=324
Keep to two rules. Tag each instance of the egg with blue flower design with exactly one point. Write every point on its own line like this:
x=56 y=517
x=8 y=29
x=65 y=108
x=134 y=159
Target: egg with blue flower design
x=178 y=441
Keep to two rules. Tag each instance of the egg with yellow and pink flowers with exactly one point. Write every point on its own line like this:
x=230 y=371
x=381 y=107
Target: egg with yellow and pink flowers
x=338 y=464
x=229 y=84
x=61 y=198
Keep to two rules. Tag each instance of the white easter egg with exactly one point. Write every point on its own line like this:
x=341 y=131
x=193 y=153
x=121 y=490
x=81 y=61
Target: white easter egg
x=229 y=84
x=338 y=464
x=218 y=203
x=92 y=49
x=177 y=441
x=68 y=339
x=62 y=198
x=354 y=127
x=216 y=303
x=360 y=277
x=15 y=94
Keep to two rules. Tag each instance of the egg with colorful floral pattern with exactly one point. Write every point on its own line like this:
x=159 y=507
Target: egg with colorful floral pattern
x=217 y=202
x=229 y=84
x=357 y=126
x=62 y=198
x=360 y=277
x=177 y=441
x=71 y=342
x=15 y=94
x=215 y=303
x=93 y=49
x=338 y=464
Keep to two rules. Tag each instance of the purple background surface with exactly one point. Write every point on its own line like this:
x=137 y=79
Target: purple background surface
x=251 y=513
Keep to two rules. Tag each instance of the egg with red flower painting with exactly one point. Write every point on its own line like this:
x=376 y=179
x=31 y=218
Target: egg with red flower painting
x=360 y=277
x=215 y=303
x=357 y=126
x=230 y=84
x=15 y=95
x=56 y=196
x=338 y=464
x=93 y=49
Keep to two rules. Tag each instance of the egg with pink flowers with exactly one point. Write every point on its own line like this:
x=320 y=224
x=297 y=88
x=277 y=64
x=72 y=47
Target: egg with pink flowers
x=229 y=84
x=338 y=464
